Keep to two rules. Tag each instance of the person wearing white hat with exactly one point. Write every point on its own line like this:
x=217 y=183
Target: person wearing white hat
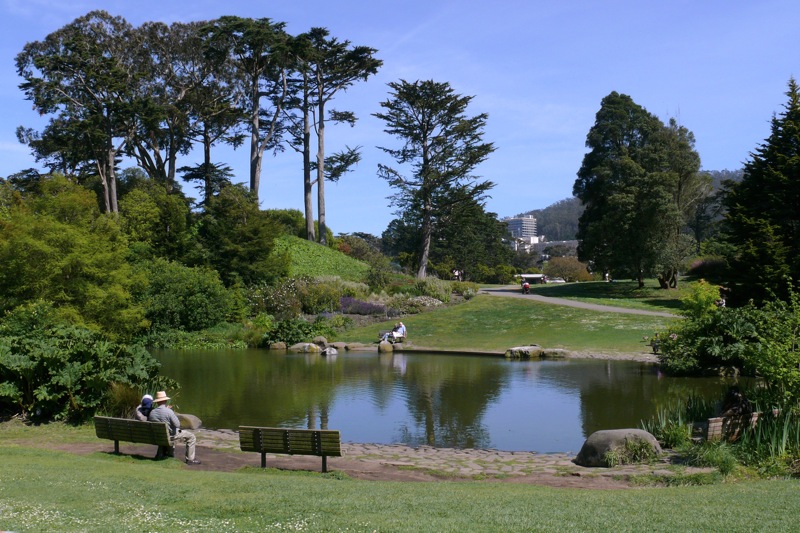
x=163 y=413
x=143 y=409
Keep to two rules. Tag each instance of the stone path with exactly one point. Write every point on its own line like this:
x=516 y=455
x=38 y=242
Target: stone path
x=426 y=463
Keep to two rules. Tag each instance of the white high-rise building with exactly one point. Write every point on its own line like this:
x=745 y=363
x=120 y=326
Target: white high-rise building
x=521 y=226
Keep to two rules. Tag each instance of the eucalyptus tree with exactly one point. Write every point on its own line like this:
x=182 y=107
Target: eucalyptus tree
x=173 y=61
x=441 y=147
x=258 y=52
x=638 y=185
x=762 y=220
x=84 y=74
x=325 y=66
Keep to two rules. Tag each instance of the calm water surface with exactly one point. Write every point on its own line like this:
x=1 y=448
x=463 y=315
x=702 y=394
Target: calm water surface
x=456 y=401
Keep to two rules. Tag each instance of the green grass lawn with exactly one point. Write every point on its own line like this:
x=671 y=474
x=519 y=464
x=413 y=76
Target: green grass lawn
x=619 y=293
x=496 y=323
x=44 y=490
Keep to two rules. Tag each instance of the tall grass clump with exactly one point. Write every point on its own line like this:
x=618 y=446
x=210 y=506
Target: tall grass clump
x=773 y=444
x=718 y=454
x=672 y=424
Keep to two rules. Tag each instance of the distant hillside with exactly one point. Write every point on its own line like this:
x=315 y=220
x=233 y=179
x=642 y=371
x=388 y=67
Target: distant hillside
x=311 y=259
x=559 y=221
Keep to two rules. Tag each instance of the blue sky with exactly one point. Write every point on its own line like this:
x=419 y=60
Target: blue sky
x=539 y=69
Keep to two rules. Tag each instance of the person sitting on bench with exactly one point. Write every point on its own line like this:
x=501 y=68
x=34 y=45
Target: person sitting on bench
x=163 y=413
x=398 y=332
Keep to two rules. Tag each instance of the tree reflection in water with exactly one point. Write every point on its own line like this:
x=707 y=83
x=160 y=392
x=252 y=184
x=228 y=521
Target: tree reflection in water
x=457 y=401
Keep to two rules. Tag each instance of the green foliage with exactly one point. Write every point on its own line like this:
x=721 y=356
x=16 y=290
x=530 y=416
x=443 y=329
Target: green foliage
x=701 y=301
x=379 y=274
x=292 y=221
x=153 y=216
x=762 y=341
x=722 y=339
x=313 y=260
x=296 y=330
x=443 y=146
x=68 y=253
x=773 y=445
x=672 y=424
x=434 y=288
x=638 y=184
x=567 y=268
x=762 y=217
x=50 y=370
x=776 y=355
x=221 y=336
x=256 y=328
x=465 y=289
x=180 y=297
x=238 y=238
x=281 y=300
x=717 y=454
x=317 y=296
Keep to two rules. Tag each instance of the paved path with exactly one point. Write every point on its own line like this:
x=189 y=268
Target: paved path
x=515 y=292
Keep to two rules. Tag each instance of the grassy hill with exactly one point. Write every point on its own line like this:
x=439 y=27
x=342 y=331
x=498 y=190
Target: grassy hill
x=312 y=259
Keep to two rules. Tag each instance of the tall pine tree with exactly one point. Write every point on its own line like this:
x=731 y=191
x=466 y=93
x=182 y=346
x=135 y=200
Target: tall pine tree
x=763 y=218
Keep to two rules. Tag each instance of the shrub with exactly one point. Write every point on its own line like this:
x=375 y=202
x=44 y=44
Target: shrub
x=54 y=371
x=298 y=330
x=465 y=289
x=281 y=300
x=568 y=268
x=316 y=297
x=353 y=306
x=181 y=297
x=433 y=287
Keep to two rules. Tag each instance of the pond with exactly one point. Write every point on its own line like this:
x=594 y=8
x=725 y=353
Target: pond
x=452 y=401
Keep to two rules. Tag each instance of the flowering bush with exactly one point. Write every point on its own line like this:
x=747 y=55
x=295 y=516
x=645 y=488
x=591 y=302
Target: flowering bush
x=353 y=306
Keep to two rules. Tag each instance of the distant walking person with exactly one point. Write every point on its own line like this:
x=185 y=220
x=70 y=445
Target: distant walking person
x=163 y=413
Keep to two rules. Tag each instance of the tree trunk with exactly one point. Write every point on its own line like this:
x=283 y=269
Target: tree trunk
x=255 y=149
x=323 y=229
x=427 y=232
x=307 y=186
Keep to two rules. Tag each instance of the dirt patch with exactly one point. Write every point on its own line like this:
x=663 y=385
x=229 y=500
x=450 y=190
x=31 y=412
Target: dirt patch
x=369 y=468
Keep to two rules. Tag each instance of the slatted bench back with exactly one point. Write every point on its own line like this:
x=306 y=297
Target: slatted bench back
x=321 y=442
x=128 y=430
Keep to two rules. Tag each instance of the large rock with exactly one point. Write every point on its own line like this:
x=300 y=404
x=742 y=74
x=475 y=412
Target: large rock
x=524 y=352
x=594 y=450
x=385 y=346
x=305 y=347
x=319 y=340
x=189 y=421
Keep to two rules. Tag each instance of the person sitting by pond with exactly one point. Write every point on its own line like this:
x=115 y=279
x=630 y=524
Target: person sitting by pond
x=143 y=409
x=163 y=413
x=398 y=332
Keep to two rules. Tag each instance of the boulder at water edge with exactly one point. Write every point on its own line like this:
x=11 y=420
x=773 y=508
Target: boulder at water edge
x=594 y=450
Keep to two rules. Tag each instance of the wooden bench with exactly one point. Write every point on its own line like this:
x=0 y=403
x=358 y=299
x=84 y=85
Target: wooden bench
x=322 y=442
x=129 y=430
x=391 y=339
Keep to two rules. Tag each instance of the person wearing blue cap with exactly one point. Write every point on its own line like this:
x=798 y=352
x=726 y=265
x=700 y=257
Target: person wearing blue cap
x=143 y=409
